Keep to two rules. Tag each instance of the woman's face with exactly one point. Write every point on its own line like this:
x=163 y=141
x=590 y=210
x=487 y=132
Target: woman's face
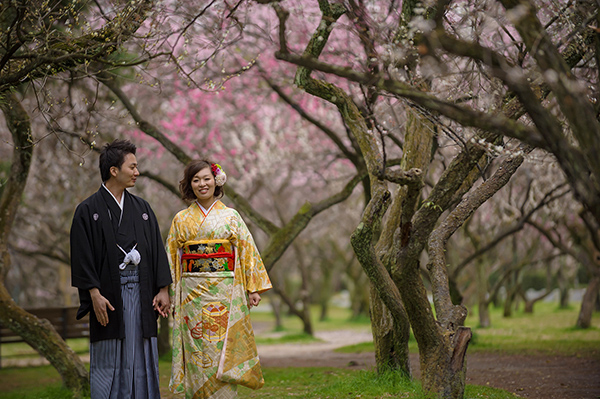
x=203 y=184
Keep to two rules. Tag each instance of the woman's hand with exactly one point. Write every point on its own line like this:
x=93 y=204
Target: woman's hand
x=161 y=302
x=253 y=299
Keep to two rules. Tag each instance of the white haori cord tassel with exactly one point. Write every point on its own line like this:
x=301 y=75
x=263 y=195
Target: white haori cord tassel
x=131 y=257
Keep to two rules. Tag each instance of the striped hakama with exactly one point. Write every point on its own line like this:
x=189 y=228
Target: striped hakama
x=127 y=368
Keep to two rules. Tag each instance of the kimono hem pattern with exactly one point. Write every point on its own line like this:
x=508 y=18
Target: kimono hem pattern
x=213 y=341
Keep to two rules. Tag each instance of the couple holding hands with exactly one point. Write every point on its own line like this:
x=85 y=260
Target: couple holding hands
x=210 y=275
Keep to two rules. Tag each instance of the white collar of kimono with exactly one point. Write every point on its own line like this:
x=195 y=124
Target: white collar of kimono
x=120 y=203
x=204 y=209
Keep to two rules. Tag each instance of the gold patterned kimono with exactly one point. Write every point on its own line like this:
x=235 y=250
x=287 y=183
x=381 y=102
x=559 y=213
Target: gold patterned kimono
x=214 y=264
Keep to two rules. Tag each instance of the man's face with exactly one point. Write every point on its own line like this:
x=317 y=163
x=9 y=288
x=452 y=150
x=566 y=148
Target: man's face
x=126 y=176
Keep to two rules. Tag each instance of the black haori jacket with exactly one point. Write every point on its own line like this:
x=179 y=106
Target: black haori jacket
x=95 y=259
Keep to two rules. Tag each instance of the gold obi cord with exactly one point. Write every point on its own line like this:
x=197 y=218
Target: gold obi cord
x=208 y=256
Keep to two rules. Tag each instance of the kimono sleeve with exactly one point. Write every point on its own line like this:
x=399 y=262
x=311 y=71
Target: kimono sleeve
x=162 y=276
x=254 y=272
x=174 y=244
x=84 y=273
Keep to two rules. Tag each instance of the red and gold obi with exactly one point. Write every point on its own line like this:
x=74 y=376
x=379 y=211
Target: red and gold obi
x=208 y=256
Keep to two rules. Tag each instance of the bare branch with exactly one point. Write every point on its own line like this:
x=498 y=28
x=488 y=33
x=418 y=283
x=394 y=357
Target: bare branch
x=551 y=196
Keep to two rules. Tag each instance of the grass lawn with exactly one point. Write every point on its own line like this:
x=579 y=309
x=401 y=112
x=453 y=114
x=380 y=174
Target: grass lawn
x=547 y=331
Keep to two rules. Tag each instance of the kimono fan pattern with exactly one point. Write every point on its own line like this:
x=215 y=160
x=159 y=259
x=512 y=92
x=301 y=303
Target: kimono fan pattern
x=213 y=340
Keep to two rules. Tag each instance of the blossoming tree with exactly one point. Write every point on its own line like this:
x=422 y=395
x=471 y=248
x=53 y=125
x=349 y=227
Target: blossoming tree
x=405 y=53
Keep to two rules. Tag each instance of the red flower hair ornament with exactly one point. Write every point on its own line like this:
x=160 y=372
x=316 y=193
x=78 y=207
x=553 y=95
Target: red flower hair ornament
x=220 y=176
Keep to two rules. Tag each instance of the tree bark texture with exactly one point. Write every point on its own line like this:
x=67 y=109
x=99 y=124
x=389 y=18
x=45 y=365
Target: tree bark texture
x=393 y=264
x=39 y=334
x=442 y=340
x=391 y=338
x=436 y=347
x=577 y=163
x=584 y=320
x=363 y=238
x=59 y=50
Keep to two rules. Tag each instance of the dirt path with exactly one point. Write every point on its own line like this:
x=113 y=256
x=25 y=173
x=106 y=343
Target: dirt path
x=536 y=377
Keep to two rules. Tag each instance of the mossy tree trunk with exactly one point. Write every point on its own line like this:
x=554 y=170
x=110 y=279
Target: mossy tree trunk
x=391 y=338
x=39 y=48
x=38 y=333
x=584 y=320
x=402 y=282
x=390 y=259
x=395 y=272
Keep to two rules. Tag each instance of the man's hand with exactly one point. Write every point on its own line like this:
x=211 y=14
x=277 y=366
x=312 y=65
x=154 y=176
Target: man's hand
x=161 y=302
x=100 y=305
x=253 y=299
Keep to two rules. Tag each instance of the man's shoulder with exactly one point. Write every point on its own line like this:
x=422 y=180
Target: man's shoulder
x=88 y=202
x=142 y=207
x=139 y=201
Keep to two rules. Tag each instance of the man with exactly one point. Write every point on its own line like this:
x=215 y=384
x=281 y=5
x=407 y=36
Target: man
x=119 y=265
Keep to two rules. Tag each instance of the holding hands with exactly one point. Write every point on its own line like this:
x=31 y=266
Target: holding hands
x=253 y=299
x=161 y=302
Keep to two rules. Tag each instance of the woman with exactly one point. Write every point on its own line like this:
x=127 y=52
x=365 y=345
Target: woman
x=218 y=275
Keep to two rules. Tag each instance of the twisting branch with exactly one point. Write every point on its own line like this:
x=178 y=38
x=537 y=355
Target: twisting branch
x=551 y=196
x=362 y=243
x=502 y=68
x=110 y=82
x=486 y=121
x=283 y=15
x=438 y=271
x=412 y=177
x=285 y=235
x=333 y=94
x=571 y=98
x=580 y=256
x=328 y=132
x=575 y=106
x=62 y=52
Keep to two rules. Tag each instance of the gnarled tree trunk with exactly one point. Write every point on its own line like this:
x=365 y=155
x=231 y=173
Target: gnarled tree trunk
x=39 y=334
x=584 y=320
x=389 y=337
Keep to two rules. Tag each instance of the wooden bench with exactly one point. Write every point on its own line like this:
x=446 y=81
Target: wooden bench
x=62 y=318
